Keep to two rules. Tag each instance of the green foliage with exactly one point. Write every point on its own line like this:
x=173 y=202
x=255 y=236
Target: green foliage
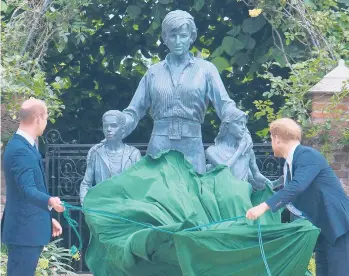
x=54 y=260
x=27 y=30
x=99 y=51
x=294 y=89
x=105 y=70
x=323 y=29
x=312 y=267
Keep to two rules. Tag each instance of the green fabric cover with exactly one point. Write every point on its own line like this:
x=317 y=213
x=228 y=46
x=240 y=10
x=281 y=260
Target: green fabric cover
x=166 y=192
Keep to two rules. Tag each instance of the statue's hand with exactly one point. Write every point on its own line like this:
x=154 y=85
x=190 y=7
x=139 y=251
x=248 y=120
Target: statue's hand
x=261 y=182
x=278 y=182
x=245 y=144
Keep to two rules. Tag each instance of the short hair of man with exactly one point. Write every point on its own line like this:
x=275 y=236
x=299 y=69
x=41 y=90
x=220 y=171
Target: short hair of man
x=286 y=129
x=174 y=20
x=120 y=117
x=31 y=109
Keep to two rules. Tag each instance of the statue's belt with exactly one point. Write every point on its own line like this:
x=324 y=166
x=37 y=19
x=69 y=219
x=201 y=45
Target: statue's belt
x=176 y=129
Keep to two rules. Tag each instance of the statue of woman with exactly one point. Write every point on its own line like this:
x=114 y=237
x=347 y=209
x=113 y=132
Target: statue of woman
x=177 y=91
x=233 y=148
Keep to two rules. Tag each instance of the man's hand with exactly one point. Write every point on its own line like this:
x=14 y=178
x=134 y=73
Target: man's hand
x=56 y=228
x=55 y=202
x=256 y=212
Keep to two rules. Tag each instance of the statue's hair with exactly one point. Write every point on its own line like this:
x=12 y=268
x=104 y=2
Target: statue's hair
x=286 y=129
x=229 y=114
x=174 y=20
x=116 y=113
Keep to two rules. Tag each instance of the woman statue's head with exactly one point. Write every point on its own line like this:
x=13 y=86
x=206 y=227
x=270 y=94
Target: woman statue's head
x=233 y=124
x=178 y=31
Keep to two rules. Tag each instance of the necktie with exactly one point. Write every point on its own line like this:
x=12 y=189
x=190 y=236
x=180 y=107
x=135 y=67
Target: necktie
x=36 y=149
x=288 y=174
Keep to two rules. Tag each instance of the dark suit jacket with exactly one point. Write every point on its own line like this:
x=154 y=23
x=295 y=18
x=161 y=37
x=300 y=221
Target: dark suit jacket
x=26 y=219
x=317 y=192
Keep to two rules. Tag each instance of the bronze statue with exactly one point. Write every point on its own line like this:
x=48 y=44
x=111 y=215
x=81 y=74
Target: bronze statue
x=234 y=148
x=111 y=156
x=177 y=91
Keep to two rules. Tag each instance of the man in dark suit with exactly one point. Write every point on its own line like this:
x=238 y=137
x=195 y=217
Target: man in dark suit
x=313 y=191
x=27 y=223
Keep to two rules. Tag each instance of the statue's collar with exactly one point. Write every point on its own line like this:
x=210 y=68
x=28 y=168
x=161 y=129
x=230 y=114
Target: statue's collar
x=191 y=59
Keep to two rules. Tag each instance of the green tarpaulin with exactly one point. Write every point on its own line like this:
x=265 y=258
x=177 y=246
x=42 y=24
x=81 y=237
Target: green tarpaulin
x=165 y=192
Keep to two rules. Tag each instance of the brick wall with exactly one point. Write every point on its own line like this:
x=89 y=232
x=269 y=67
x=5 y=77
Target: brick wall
x=321 y=101
x=340 y=163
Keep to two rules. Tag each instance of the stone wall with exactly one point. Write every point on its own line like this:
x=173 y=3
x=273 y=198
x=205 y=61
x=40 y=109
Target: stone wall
x=340 y=163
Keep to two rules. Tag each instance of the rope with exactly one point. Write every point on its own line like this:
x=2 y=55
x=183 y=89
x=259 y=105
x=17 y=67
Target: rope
x=75 y=251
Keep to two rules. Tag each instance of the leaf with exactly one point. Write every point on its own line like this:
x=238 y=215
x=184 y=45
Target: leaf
x=278 y=56
x=346 y=2
x=231 y=45
x=205 y=53
x=240 y=59
x=134 y=11
x=60 y=47
x=221 y=63
x=3 y=6
x=101 y=50
x=262 y=54
x=249 y=42
x=253 y=25
x=235 y=30
x=198 y=4
x=217 y=52
x=310 y=4
x=165 y=2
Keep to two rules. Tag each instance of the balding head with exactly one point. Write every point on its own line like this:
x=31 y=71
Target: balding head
x=30 y=110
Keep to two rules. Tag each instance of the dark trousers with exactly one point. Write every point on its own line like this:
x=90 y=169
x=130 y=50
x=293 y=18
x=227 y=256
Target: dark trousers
x=22 y=260
x=332 y=260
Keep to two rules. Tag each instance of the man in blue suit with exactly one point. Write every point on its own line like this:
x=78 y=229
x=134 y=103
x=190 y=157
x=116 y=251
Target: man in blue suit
x=313 y=191
x=27 y=223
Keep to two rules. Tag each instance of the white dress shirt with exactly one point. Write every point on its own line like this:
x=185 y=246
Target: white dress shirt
x=26 y=136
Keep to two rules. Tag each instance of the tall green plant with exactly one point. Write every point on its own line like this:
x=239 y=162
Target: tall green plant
x=28 y=29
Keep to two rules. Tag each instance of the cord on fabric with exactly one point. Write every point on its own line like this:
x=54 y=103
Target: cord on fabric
x=75 y=251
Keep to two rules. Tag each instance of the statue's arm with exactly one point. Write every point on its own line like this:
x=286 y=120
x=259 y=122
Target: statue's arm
x=240 y=150
x=136 y=156
x=250 y=178
x=212 y=157
x=259 y=179
x=138 y=106
x=88 y=180
x=217 y=93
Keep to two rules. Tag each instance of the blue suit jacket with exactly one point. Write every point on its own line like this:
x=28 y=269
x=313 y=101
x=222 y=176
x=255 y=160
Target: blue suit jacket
x=317 y=192
x=26 y=219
